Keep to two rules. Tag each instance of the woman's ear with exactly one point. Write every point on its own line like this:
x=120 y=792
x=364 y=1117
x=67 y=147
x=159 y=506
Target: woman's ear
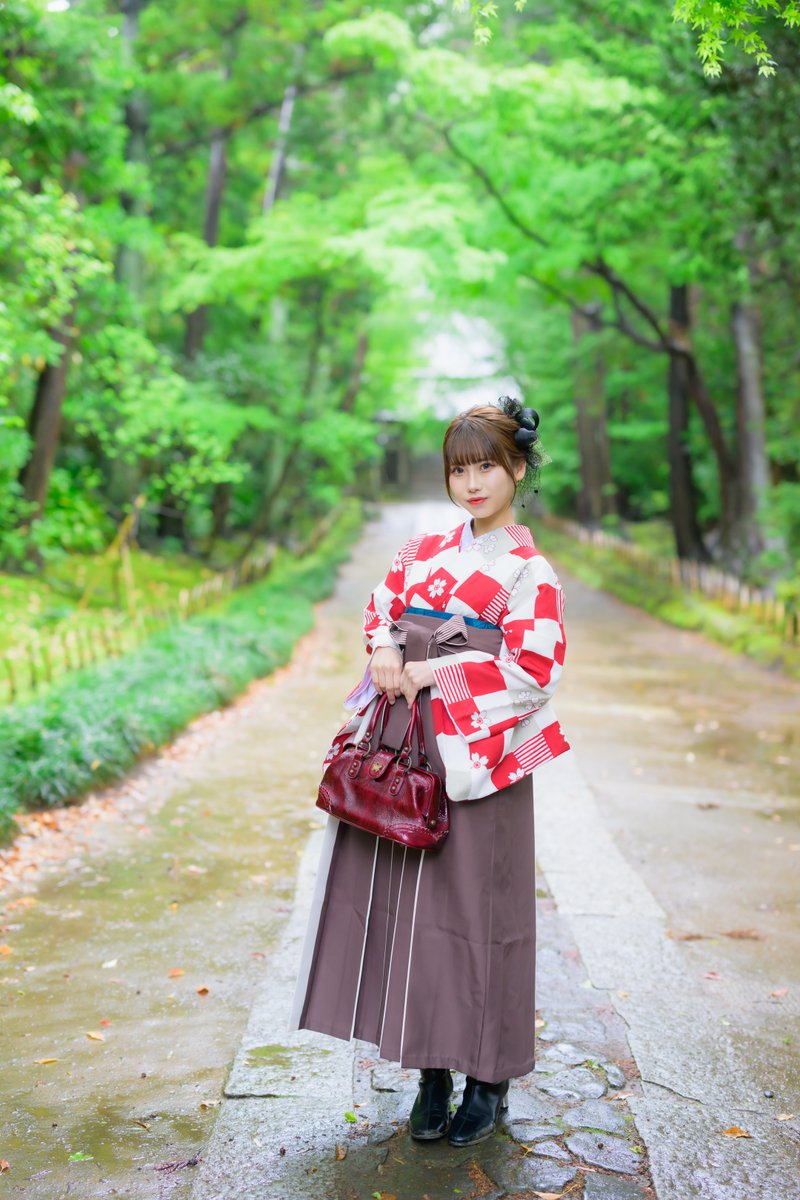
x=519 y=471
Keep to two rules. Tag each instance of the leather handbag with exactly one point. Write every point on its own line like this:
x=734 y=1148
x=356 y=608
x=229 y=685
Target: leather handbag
x=382 y=792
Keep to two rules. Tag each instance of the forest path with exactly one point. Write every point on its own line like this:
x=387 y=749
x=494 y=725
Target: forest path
x=688 y=823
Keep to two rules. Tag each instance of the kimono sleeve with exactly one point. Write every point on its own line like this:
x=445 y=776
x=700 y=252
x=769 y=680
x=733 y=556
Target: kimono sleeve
x=388 y=601
x=484 y=695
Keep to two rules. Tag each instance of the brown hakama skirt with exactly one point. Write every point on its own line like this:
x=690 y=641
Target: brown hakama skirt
x=430 y=955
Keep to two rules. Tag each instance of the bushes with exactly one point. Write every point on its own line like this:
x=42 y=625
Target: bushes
x=93 y=726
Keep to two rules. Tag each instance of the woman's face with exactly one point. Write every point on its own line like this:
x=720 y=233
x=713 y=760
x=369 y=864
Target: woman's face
x=485 y=490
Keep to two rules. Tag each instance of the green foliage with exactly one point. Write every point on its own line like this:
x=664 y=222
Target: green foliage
x=421 y=178
x=603 y=568
x=740 y=21
x=90 y=729
x=716 y=20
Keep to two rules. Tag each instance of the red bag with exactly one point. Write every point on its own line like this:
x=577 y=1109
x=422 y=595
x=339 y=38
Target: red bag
x=380 y=790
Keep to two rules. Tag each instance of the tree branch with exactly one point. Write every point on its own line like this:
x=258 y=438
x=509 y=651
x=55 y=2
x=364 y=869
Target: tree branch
x=260 y=110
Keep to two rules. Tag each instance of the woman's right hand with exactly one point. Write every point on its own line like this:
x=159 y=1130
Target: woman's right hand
x=386 y=670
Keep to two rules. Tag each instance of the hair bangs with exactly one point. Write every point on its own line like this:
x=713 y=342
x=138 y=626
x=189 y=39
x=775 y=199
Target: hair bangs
x=470 y=442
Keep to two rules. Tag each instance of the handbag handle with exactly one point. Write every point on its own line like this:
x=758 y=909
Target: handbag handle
x=380 y=712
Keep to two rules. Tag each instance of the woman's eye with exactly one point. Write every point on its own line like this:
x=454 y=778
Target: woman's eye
x=487 y=466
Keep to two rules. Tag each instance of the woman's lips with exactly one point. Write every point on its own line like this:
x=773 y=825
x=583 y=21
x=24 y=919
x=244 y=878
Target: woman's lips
x=480 y=501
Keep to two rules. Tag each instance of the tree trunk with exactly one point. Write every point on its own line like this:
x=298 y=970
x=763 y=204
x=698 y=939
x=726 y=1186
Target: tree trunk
x=171 y=521
x=278 y=160
x=221 y=498
x=129 y=266
x=356 y=374
x=196 y=321
x=754 y=478
x=683 y=494
x=597 y=496
x=44 y=422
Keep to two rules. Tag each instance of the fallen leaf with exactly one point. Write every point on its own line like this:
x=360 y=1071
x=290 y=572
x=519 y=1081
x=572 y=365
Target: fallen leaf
x=785 y=1117
x=95 y=1036
x=548 y=1195
x=679 y=935
x=4 y=1164
x=351 y=1117
x=340 y=1153
x=539 y=1023
x=6 y=950
x=706 y=804
x=176 y=972
x=42 y=1061
x=79 y=1156
x=112 y=962
x=104 y=1021
x=623 y=995
x=202 y=991
x=711 y=975
x=94 y=765
x=735 y=1132
x=143 y=1124
x=779 y=993
x=746 y=935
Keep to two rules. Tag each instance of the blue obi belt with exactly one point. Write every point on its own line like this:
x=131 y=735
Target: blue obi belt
x=475 y=622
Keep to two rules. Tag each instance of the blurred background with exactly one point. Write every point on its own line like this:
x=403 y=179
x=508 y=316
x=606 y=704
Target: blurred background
x=254 y=254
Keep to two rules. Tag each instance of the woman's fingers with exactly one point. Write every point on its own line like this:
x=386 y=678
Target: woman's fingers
x=386 y=671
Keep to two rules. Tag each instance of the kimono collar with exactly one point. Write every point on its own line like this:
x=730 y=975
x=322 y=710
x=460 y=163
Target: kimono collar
x=504 y=538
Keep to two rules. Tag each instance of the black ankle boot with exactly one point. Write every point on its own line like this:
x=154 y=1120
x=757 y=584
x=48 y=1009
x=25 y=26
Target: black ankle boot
x=430 y=1116
x=476 y=1118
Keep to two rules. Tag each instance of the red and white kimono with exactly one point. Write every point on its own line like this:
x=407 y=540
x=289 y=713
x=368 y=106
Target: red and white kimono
x=430 y=956
x=492 y=716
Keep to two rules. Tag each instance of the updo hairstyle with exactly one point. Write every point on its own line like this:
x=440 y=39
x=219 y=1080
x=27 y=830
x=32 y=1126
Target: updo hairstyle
x=504 y=433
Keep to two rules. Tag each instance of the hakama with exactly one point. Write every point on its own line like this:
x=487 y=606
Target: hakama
x=430 y=955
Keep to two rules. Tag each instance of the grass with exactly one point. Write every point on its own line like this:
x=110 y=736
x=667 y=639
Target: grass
x=38 y=604
x=90 y=728
x=601 y=567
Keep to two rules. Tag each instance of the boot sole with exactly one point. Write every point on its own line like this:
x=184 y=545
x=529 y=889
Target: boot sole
x=427 y=1137
x=473 y=1141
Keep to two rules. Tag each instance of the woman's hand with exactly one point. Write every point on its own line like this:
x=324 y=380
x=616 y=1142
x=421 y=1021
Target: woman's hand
x=390 y=676
x=416 y=675
x=386 y=671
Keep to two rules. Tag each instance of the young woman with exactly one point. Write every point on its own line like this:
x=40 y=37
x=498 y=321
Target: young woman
x=430 y=956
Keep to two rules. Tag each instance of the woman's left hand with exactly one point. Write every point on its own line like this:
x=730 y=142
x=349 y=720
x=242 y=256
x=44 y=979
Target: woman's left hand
x=416 y=675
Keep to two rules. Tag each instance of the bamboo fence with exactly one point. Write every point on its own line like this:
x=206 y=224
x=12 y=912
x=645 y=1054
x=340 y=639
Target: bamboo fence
x=91 y=637
x=777 y=615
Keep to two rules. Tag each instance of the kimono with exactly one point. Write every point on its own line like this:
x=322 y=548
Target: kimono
x=430 y=956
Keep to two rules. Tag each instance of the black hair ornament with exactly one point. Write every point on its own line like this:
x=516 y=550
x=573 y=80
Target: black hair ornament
x=527 y=440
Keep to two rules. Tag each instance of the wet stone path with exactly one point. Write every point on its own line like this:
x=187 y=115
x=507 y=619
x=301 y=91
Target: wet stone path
x=287 y=1128
x=153 y=936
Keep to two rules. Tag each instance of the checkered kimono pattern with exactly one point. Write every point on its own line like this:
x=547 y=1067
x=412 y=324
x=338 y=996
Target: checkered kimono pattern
x=492 y=716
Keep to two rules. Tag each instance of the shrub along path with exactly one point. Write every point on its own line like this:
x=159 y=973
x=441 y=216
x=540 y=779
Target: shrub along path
x=91 y=727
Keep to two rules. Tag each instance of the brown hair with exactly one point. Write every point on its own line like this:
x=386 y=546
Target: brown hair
x=481 y=434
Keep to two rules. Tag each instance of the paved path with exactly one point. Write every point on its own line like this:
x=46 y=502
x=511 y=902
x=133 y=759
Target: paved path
x=677 y=813
x=660 y=722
